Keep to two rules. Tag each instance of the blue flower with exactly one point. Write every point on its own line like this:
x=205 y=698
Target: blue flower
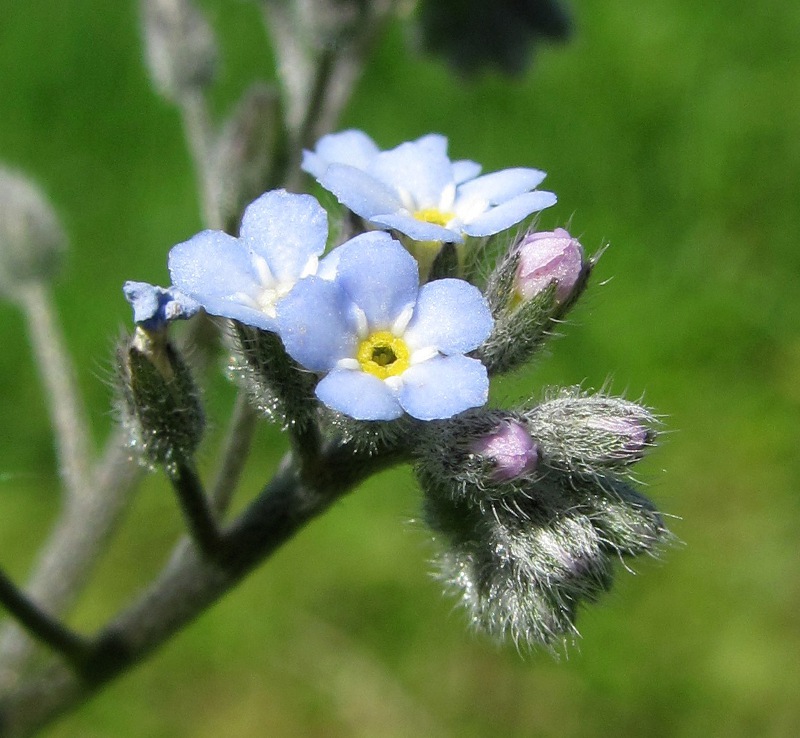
x=153 y=307
x=351 y=147
x=385 y=345
x=417 y=190
x=280 y=240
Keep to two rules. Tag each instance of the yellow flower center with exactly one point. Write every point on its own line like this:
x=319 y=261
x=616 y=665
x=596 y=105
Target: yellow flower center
x=383 y=355
x=434 y=215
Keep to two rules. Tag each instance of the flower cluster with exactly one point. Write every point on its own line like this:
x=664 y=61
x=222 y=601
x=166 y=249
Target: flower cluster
x=382 y=344
x=393 y=335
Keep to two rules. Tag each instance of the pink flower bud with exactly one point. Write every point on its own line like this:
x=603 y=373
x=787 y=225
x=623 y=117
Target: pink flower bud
x=546 y=257
x=512 y=450
x=632 y=437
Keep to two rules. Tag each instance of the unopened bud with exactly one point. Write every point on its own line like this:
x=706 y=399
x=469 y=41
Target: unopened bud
x=590 y=433
x=511 y=450
x=180 y=46
x=477 y=456
x=278 y=387
x=629 y=523
x=545 y=258
x=521 y=574
x=32 y=242
x=535 y=283
x=160 y=402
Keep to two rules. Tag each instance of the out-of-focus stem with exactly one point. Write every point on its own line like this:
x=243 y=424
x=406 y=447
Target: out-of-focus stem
x=241 y=427
x=58 y=377
x=72 y=549
x=191 y=582
x=200 y=138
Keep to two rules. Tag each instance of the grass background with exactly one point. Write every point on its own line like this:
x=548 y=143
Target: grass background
x=669 y=129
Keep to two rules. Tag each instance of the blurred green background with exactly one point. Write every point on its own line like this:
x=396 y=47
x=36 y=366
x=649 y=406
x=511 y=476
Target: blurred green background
x=671 y=130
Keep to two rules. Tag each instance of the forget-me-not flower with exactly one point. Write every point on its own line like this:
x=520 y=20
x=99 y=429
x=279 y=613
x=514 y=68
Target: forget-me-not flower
x=416 y=189
x=154 y=307
x=280 y=240
x=385 y=345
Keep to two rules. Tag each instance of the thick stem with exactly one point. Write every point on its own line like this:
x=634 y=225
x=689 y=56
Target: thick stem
x=190 y=583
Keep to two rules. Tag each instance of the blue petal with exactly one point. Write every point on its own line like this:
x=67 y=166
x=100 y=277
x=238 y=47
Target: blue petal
x=433 y=143
x=153 y=306
x=316 y=325
x=419 y=171
x=228 y=307
x=286 y=230
x=509 y=213
x=419 y=230
x=500 y=186
x=359 y=191
x=451 y=315
x=212 y=265
x=379 y=276
x=465 y=169
x=351 y=147
x=359 y=395
x=443 y=387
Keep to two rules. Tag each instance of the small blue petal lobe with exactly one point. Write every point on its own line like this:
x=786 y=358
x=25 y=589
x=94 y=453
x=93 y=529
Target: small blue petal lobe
x=359 y=395
x=443 y=387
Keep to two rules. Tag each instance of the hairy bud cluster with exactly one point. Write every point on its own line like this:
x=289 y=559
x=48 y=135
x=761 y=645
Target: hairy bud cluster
x=32 y=241
x=181 y=50
x=528 y=541
x=535 y=283
x=160 y=403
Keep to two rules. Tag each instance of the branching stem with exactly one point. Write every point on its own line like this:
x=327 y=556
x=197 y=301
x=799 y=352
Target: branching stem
x=41 y=626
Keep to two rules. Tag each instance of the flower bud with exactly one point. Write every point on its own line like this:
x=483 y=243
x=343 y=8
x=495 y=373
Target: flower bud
x=628 y=522
x=533 y=285
x=545 y=258
x=591 y=433
x=520 y=573
x=510 y=449
x=278 y=387
x=477 y=456
x=32 y=242
x=160 y=402
x=181 y=50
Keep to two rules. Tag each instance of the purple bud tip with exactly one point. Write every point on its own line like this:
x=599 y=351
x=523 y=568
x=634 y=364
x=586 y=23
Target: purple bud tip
x=512 y=450
x=546 y=257
x=633 y=435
